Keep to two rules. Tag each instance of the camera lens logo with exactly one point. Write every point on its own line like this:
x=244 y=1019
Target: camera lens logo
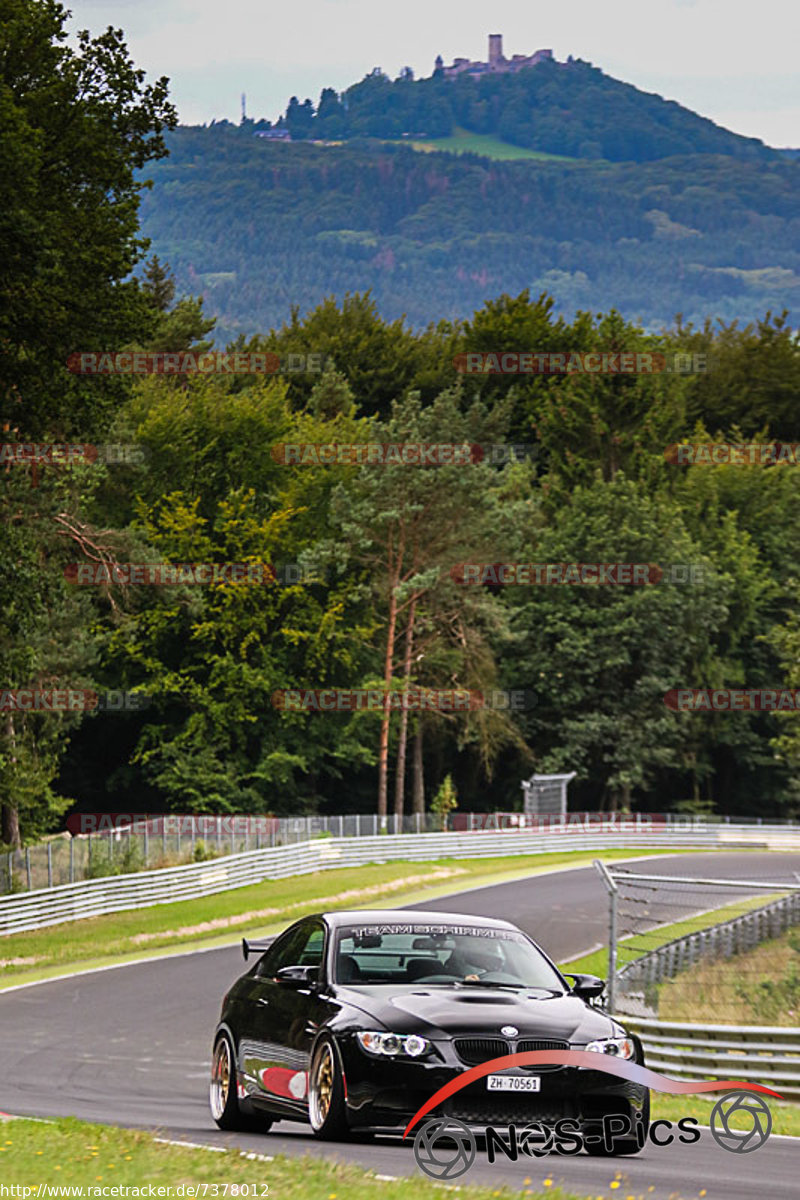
x=444 y=1148
x=737 y=1105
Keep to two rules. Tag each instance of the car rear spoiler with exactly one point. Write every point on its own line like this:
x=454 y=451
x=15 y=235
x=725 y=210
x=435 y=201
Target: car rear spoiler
x=249 y=948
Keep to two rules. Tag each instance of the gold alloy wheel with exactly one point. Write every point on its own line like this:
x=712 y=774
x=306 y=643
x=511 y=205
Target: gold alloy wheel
x=321 y=1090
x=220 y=1078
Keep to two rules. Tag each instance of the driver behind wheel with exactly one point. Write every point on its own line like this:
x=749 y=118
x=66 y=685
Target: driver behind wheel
x=471 y=961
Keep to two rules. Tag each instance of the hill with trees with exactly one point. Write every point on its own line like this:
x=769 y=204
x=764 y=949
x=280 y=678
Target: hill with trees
x=257 y=227
x=570 y=108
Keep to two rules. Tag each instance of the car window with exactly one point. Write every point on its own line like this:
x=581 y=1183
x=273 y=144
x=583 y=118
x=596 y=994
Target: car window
x=302 y=946
x=311 y=953
x=440 y=954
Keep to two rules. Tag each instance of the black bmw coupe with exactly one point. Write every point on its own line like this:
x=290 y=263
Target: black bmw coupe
x=351 y=1021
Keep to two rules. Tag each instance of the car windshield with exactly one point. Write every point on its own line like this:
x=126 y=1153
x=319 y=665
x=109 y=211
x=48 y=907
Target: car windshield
x=446 y=955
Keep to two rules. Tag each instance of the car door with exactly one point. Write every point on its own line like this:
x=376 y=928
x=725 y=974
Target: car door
x=283 y=1018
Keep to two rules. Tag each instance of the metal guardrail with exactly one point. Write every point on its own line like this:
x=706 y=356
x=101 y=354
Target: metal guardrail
x=112 y=844
x=94 y=897
x=768 y=1054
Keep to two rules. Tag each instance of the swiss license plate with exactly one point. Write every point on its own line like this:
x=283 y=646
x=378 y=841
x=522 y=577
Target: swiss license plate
x=513 y=1083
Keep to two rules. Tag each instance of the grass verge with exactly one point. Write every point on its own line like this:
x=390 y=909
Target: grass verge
x=758 y=987
x=259 y=910
x=785 y=1117
x=68 y=1152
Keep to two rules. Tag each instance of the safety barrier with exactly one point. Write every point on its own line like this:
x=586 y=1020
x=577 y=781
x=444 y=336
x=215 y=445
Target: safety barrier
x=768 y=1054
x=94 y=897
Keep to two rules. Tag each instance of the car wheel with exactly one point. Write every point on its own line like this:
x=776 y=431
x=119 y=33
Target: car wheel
x=623 y=1145
x=223 y=1091
x=326 y=1093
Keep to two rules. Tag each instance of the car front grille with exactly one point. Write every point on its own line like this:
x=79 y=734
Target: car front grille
x=525 y=1044
x=473 y=1051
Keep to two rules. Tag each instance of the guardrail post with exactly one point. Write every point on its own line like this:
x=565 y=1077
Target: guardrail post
x=49 y=864
x=28 y=866
x=72 y=860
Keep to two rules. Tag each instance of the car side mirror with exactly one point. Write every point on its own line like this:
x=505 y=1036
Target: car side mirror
x=587 y=987
x=297 y=976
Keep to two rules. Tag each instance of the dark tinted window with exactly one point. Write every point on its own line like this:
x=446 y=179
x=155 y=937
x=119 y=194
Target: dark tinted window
x=302 y=946
x=439 y=954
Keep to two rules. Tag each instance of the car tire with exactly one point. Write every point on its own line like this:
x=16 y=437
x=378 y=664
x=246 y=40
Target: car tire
x=326 y=1109
x=623 y=1146
x=223 y=1091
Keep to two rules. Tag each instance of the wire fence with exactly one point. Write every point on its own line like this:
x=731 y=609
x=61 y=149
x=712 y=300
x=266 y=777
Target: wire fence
x=102 y=847
x=92 y=897
x=711 y=950
x=153 y=843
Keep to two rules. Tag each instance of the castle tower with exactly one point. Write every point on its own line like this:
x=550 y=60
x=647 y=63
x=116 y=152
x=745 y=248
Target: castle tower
x=495 y=49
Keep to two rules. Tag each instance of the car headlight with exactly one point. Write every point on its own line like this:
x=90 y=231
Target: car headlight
x=621 y=1047
x=393 y=1045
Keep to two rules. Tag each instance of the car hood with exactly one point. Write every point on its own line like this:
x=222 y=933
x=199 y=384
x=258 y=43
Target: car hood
x=481 y=1011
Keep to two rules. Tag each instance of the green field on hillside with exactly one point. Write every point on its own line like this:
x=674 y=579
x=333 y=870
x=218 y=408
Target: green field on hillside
x=463 y=141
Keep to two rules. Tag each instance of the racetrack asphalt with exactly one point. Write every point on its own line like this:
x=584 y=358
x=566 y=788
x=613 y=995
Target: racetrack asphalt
x=130 y=1046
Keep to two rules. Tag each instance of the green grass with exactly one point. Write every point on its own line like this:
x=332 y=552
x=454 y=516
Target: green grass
x=68 y=1153
x=258 y=910
x=785 y=1117
x=758 y=987
x=464 y=142
x=71 y=1153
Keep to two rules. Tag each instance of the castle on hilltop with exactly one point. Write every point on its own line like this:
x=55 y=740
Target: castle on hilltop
x=497 y=63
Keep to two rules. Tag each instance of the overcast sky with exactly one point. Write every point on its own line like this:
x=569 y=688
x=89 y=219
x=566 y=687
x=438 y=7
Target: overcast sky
x=731 y=60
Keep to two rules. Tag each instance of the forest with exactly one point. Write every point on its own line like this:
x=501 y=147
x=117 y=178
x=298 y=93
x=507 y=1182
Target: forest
x=359 y=575
x=257 y=227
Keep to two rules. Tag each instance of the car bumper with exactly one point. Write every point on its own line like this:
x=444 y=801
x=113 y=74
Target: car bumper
x=385 y=1095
